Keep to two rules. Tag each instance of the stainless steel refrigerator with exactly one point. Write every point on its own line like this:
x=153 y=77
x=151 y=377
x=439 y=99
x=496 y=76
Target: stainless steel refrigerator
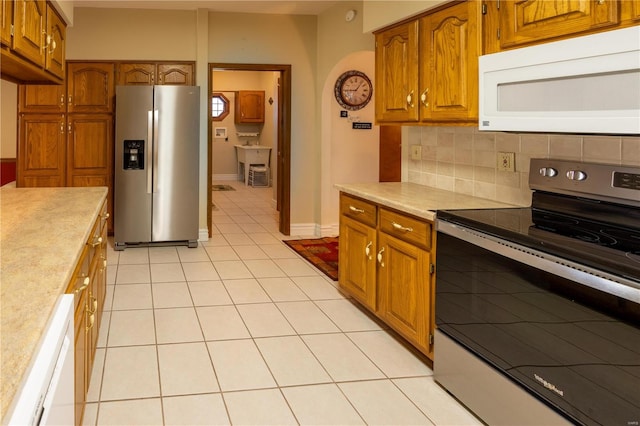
x=156 y=165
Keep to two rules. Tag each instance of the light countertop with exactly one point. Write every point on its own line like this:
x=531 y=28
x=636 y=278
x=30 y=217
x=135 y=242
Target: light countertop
x=42 y=234
x=418 y=200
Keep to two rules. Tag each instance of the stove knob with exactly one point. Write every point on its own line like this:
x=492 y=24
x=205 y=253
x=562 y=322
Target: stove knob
x=548 y=171
x=576 y=175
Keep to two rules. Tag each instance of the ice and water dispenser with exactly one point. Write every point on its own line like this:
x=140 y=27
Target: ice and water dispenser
x=133 y=155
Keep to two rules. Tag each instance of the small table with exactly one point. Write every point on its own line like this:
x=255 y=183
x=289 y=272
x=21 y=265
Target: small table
x=249 y=155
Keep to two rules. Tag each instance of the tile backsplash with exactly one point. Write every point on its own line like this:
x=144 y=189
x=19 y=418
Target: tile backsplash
x=463 y=159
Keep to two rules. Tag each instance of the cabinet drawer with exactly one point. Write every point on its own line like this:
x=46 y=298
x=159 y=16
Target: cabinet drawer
x=358 y=209
x=406 y=228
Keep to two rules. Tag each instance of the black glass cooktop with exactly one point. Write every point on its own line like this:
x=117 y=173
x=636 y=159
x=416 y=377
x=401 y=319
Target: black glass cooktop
x=601 y=235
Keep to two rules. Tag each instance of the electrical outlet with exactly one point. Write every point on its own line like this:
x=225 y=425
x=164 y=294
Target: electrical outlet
x=506 y=162
x=416 y=152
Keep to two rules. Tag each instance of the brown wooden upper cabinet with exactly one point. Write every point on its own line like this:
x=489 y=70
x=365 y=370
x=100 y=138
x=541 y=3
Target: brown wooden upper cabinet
x=249 y=106
x=6 y=22
x=28 y=30
x=397 y=74
x=147 y=74
x=427 y=69
x=522 y=22
x=90 y=87
x=517 y=23
x=55 y=43
x=33 y=41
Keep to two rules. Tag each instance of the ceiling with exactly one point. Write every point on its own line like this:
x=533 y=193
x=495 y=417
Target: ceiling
x=283 y=7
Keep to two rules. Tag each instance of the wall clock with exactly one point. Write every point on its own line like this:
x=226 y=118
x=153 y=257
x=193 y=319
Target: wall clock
x=353 y=90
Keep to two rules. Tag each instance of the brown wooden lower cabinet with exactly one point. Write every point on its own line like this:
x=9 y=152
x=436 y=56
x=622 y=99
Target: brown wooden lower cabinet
x=387 y=266
x=89 y=288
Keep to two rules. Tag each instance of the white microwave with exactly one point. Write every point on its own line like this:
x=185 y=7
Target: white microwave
x=588 y=84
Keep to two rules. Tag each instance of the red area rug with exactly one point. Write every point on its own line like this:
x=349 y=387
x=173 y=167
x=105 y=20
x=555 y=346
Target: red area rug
x=320 y=252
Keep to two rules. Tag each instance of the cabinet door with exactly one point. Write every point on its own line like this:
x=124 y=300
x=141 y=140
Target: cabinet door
x=89 y=145
x=55 y=49
x=630 y=13
x=28 y=26
x=357 y=270
x=249 y=106
x=90 y=153
x=6 y=19
x=531 y=21
x=176 y=74
x=92 y=321
x=449 y=47
x=41 y=151
x=90 y=87
x=80 y=361
x=397 y=74
x=136 y=74
x=404 y=288
x=48 y=98
x=78 y=287
x=102 y=265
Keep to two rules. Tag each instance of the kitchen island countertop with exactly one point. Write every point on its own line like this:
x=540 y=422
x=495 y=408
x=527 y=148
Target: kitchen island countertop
x=42 y=234
x=418 y=200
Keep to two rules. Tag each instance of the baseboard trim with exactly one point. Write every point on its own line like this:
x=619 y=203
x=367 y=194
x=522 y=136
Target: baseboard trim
x=313 y=230
x=203 y=234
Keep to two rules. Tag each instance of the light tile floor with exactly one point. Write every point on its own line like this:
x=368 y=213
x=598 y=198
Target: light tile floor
x=241 y=330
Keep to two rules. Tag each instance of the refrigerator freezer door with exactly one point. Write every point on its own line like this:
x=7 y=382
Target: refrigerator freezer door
x=132 y=195
x=175 y=164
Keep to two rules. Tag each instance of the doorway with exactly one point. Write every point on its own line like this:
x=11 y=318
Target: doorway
x=283 y=143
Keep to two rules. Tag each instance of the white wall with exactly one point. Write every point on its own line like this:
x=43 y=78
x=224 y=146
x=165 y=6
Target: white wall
x=132 y=34
x=8 y=123
x=346 y=155
x=281 y=39
x=381 y=13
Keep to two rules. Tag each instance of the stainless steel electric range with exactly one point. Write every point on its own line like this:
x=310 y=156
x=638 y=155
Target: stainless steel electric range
x=538 y=309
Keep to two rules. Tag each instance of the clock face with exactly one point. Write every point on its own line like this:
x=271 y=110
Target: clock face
x=353 y=90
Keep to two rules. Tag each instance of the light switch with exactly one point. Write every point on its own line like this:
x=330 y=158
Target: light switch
x=416 y=152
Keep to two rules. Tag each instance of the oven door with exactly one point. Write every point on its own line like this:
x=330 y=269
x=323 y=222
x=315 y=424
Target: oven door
x=546 y=325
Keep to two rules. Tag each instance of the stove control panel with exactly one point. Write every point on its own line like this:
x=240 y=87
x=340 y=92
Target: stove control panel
x=607 y=182
x=626 y=180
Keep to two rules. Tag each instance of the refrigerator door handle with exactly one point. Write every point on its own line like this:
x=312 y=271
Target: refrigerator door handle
x=149 y=147
x=155 y=150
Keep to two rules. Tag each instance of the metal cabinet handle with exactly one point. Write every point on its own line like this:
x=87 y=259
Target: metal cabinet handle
x=423 y=98
x=367 y=250
x=96 y=242
x=355 y=209
x=399 y=227
x=380 y=257
x=410 y=99
x=92 y=320
x=85 y=284
x=95 y=304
